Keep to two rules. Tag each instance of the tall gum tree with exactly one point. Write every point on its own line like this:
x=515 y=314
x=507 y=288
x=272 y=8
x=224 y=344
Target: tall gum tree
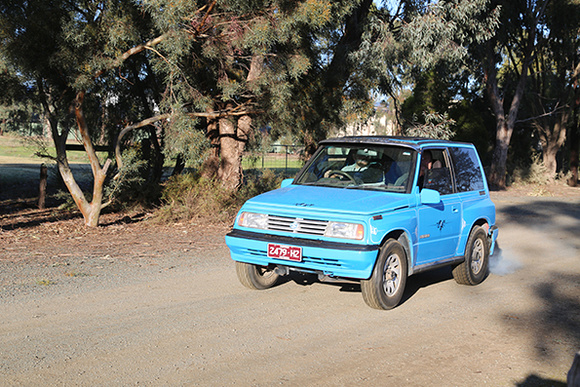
x=513 y=47
x=554 y=79
x=237 y=66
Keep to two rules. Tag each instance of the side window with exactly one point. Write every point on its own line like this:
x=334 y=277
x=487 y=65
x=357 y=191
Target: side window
x=435 y=173
x=467 y=171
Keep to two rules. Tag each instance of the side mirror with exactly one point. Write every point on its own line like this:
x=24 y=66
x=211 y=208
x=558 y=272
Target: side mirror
x=286 y=183
x=430 y=196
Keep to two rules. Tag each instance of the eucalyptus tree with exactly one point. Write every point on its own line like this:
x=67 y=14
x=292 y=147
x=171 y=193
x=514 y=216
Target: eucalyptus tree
x=512 y=50
x=232 y=67
x=553 y=92
x=73 y=54
x=424 y=45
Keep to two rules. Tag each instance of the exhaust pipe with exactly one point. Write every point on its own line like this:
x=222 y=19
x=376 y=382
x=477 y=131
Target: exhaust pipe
x=282 y=270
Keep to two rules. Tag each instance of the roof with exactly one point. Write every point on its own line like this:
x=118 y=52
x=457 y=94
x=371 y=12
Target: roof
x=412 y=142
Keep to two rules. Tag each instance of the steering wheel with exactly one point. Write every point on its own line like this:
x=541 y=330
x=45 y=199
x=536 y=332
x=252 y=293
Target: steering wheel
x=341 y=173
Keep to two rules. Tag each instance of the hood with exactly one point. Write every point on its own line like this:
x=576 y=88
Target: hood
x=312 y=199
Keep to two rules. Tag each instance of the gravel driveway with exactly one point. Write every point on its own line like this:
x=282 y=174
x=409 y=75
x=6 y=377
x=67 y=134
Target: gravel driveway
x=134 y=304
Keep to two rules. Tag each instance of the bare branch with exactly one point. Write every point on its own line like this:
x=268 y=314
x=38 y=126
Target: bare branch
x=554 y=111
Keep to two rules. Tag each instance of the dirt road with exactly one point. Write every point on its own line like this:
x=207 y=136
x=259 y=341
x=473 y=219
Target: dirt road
x=168 y=310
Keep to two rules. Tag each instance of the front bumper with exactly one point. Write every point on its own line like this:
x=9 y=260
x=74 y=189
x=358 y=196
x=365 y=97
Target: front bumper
x=334 y=259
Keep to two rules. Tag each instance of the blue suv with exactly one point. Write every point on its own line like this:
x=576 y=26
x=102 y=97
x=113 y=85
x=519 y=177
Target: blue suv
x=371 y=209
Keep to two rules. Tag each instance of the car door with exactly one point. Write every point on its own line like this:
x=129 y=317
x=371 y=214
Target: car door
x=439 y=225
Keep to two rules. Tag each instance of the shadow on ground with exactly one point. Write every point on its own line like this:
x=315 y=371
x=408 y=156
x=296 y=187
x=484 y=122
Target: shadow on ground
x=414 y=283
x=555 y=323
x=536 y=381
x=545 y=214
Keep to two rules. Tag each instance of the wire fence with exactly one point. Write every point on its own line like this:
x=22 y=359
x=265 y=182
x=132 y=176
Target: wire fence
x=286 y=159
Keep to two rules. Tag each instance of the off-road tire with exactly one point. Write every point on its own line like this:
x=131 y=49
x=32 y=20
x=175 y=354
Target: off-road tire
x=256 y=277
x=474 y=269
x=386 y=286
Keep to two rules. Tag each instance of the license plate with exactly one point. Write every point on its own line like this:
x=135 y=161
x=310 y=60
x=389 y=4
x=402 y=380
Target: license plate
x=289 y=253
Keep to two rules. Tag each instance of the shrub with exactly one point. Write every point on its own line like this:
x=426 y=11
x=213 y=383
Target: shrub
x=532 y=173
x=189 y=196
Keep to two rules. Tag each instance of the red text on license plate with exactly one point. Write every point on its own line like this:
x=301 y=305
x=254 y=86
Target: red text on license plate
x=290 y=253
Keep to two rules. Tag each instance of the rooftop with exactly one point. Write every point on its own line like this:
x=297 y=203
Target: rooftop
x=413 y=142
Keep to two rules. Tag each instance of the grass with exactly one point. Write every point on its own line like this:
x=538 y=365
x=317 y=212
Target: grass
x=11 y=146
x=273 y=161
x=25 y=149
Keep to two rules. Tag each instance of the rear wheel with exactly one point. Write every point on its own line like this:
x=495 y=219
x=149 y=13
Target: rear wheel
x=385 y=288
x=474 y=269
x=256 y=277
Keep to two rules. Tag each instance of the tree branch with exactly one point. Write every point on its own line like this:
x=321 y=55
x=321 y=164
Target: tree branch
x=127 y=129
x=554 y=111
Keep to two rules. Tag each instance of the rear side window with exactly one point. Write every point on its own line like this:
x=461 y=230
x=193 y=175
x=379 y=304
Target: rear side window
x=467 y=171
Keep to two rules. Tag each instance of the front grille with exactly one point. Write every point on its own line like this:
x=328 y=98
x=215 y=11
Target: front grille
x=297 y=225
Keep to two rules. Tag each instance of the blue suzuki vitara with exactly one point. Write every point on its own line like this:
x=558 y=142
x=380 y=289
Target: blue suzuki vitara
x=374 y=210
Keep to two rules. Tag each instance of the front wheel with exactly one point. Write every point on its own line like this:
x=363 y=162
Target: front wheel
x=256 y=277
x=474 y=268
x=385 y=288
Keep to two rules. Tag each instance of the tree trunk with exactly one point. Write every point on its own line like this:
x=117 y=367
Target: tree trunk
x=504 y=124
x=158 y=159
x=179 y=165
x=59 y=140
x=229 y=172
x=232 y=137
x=553 y=138
x=211 y=164
x=91 y=211
x=497 y=175
x=574 y=139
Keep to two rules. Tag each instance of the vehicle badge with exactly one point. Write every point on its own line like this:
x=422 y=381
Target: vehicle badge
x=294 y=225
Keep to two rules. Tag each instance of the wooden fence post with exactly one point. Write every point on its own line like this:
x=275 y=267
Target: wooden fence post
x=42 y=187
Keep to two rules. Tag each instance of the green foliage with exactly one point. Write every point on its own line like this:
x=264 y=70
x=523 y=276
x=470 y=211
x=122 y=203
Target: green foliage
x=186 y=137
x=435 y=126
x=474 y=124
x=131 y=186
x=444 y=30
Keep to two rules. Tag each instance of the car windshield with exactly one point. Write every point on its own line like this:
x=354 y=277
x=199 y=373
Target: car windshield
x=359 y=166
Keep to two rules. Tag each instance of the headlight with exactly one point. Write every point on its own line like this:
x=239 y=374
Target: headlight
x=345 y=230
x=253 y=220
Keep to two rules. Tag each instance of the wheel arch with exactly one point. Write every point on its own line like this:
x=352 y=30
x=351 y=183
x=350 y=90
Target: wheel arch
x=481 y=222
x=403 y=238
